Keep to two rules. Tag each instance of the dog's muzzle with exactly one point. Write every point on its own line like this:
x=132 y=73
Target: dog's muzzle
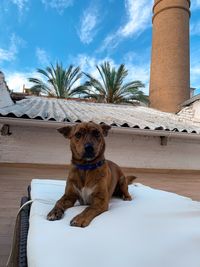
x=89 y=151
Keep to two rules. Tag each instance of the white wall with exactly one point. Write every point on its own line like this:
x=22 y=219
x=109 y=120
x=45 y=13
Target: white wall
x=196 y=108
x=47 y=146
x=191 y=112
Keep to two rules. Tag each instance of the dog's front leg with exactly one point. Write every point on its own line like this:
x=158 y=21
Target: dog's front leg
x=98 y=206
x=65 y=202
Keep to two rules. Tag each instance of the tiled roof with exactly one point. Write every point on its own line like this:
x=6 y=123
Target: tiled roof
x=117 y=115
x=191 y=100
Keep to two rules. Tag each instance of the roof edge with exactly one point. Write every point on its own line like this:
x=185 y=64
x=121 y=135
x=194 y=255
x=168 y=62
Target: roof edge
x=190 y=101
x=118 y=130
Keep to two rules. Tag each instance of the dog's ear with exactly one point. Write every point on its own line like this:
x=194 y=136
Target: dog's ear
x=105 y=128
x=66 y=131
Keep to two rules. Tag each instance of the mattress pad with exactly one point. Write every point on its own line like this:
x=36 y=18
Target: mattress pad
x=155 y=229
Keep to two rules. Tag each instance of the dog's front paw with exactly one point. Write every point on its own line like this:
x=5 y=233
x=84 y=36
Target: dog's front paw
x=55 y=214
x=127 y=198
x=80 y=221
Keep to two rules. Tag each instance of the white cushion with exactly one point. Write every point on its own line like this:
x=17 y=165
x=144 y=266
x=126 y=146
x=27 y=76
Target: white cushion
x=156 y=229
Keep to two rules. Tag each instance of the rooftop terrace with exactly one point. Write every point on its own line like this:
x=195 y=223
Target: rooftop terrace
x=15 y=178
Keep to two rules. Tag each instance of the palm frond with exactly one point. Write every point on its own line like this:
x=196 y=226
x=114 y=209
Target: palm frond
x=111 y=87
x=58 y=81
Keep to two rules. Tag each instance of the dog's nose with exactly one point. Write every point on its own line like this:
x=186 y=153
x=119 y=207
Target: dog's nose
x=89 y=148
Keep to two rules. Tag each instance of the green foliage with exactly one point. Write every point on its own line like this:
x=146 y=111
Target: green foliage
x=58 y=81
x=111 y=87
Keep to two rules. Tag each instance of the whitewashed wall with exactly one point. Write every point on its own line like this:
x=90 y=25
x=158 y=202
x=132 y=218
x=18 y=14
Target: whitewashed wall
x=47 y=146
x=196 y=108
x=191 y=112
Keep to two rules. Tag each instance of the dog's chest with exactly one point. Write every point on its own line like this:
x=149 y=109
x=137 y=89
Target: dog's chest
x=85 y=195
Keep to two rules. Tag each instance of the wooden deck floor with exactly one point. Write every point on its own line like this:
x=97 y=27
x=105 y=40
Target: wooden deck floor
x=14 y=181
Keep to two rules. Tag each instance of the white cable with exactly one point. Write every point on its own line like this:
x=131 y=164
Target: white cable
x=48 y=202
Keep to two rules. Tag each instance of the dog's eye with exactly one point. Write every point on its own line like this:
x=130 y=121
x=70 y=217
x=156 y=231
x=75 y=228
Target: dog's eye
x=96 y=133
x=78 y=135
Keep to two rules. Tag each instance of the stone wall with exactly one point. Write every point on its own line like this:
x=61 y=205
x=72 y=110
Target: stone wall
x=5 y=99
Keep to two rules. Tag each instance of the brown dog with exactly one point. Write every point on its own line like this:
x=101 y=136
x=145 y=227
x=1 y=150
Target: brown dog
x=92 y=179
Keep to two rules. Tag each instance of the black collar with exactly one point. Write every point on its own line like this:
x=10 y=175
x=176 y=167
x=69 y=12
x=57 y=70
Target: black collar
x=87 y=167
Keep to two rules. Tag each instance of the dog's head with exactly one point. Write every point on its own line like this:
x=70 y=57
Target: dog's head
x=86 y=139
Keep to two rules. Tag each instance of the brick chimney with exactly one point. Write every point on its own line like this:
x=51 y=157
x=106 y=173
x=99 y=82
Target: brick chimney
x=170 y=63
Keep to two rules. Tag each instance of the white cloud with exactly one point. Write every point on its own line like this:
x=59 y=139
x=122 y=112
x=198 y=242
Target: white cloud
x=42 y=56
x=195 y=75
x=16 y=80
x=195 y=4
x=110 y=42
x=89 y=22
x=88 y=63
x=130 y=56
x=139 y=17
x=21 y=5
x=13 y=49
x=6 y=55
x=139 y=14
x=141 y=73
x=59 y=5
x=195 y=28
x=195 y=68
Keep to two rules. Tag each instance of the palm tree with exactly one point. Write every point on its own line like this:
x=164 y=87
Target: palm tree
x=59 y=82
x=111 y=88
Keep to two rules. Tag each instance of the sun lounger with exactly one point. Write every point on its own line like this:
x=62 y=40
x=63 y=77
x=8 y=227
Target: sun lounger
x=156 y=229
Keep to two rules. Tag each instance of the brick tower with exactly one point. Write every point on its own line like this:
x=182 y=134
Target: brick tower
x=170 y=62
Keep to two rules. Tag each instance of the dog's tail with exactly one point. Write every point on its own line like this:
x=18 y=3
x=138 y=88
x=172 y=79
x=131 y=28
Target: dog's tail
x=130 y=179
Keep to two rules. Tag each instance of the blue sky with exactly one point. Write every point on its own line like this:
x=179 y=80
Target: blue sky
x=34 y=33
